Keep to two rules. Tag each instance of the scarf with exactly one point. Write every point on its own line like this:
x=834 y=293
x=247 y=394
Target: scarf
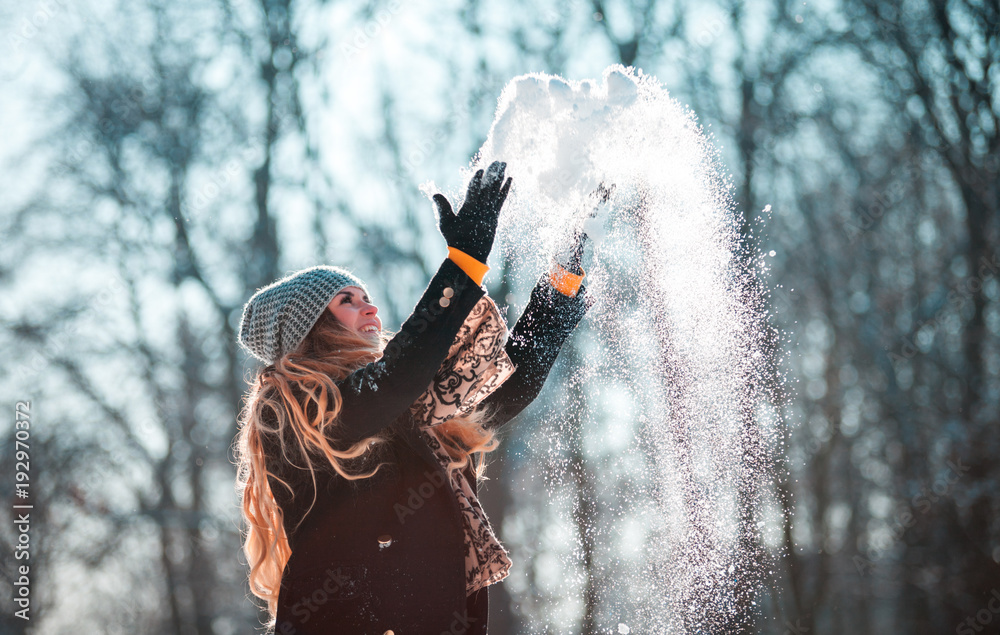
x=476 y=366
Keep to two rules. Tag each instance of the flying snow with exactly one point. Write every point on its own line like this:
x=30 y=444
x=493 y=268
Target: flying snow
x=677 y=304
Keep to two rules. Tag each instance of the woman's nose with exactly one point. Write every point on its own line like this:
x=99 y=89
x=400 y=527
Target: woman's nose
x=369 y=309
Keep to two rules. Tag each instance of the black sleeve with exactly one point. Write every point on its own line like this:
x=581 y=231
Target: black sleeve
x=376 y=395
x=533 y=346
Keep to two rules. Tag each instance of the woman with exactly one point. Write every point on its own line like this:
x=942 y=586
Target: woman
x=358 y=456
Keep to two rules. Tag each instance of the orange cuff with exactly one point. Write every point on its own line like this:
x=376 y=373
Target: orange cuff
x=475 y=269
x=565 y=282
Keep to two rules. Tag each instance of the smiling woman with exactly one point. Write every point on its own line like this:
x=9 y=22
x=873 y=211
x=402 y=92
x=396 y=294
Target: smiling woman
x=352 y=308
x=359 y=455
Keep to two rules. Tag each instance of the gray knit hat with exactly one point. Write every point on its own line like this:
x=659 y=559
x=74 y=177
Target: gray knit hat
x=279 y=316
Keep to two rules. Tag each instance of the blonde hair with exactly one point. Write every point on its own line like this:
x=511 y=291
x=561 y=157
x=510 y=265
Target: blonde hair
x=329 y=353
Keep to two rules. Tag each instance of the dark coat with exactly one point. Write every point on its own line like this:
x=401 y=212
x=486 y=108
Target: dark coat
x=386 y=553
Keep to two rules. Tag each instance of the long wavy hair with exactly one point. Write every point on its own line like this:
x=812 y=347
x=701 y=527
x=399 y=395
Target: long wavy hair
x=293 y=405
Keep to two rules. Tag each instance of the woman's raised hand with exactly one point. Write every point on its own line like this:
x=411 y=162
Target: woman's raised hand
x=590 y=230
x=473 y=229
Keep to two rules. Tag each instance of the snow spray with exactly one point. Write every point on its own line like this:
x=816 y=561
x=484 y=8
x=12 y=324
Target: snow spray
x=679 y=316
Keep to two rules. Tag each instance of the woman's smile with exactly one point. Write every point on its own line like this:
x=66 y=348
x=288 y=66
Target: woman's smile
x=352 y=308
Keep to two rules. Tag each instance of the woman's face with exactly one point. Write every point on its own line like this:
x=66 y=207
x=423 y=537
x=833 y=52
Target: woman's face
x=353 y=309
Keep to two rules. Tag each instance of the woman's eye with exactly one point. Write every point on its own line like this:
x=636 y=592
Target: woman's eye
x=345 y=299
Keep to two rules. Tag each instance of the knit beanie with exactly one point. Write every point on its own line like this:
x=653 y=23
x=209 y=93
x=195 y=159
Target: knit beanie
x=279 y=316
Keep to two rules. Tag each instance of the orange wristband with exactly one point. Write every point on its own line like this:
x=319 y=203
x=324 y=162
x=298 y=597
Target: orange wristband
x=472 y=267
x=565 y=282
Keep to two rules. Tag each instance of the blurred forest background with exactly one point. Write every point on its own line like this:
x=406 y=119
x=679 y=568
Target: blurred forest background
x=162 y=160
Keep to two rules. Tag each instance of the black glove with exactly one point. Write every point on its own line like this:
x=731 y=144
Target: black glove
x=473 y=229
x=572 y=259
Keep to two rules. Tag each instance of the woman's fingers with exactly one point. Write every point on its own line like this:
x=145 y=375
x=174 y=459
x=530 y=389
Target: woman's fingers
x=475 y=185
x=494 y=173
x=500 y=195
x=445 y=213
x=493 y=181
x=487 y=189
x=503 y=192
x=446 y=217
